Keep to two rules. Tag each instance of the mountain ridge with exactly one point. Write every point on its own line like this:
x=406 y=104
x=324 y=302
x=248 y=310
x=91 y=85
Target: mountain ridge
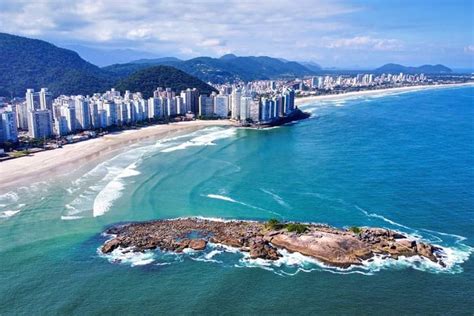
x=31 y=63
x=227 y=68
x=427 y=69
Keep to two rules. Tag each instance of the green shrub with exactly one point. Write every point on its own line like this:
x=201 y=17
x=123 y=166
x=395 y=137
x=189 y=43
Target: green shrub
x=355 y=229
x=294 y=227
x=274 y=224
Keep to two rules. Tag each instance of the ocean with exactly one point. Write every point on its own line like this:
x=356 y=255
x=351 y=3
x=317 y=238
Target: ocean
x=403 y=161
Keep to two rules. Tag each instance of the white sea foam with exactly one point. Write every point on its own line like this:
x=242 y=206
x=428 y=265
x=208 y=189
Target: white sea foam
x=8 y=213
x=128 y=256
x=100 y=187
x=221 y=197
x=70 y=217
x=231 y=200
x=277 y=198
x=203 y=140
x=374 y=215
x=9 y=197
x=113 y=190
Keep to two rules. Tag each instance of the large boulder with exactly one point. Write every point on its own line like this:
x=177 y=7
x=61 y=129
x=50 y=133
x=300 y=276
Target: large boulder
x=197 y=244
x=111 y=245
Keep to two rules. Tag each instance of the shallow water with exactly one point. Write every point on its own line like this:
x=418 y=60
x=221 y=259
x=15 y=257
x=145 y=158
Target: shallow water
x=402 y=161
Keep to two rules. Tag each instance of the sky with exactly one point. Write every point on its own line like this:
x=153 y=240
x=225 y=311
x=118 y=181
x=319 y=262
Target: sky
x=341 y=34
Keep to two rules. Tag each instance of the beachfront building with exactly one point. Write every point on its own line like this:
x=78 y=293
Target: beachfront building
x=8 y=126
x=40 y=124
x=206 y=105
x=155 y=107
x=235 y=103
x=221 y=105
x=245 y=103
x=83 y=117
x=22 y=116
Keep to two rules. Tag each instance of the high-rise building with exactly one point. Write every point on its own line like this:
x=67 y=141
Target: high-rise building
x=289 y=96
x=69 y=112
x=103 y=118
x=170 y=107
x=61 y=126
x=245 y=103
x=94 y=113
x=180 y=105
x=32 y=100
x=122 y=112
x=40 y=123
x=9 y=126
x=111 y=113
x=266 y=106
x=221 y=105
x=254 y=110
x=192 y=100
x=22 y=115
x=235 y=103
x=46 y=99
x=206 y=105
x=83 y=117
x=155 y=107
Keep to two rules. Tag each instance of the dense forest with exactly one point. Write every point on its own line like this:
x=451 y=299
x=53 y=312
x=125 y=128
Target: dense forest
x=148 y=79
x=29 y=63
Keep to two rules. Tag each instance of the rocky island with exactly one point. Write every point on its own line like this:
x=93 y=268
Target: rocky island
x=332 y=246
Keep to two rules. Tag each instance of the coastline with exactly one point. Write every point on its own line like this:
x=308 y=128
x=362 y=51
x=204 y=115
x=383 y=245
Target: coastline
x=307 y=100
x=47 y=164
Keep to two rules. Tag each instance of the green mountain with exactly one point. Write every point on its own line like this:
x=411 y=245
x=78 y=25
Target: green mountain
x=148 y=79
x=426 y=69
x=228 y=68
x=30 y=63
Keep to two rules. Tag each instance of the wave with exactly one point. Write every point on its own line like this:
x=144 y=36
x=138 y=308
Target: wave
x=113 y=190
x=203 y=140
x=231 y=200
x=277 y=198
x=221 y=197
x=374 y=215
x=8 y=198
x=9 y=213
x=99 y=188
x=70 y=217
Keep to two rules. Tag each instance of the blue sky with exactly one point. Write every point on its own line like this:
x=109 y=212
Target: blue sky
x=339 y=34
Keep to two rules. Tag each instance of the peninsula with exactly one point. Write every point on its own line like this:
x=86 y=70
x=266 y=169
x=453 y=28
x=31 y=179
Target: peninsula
x=332 y=246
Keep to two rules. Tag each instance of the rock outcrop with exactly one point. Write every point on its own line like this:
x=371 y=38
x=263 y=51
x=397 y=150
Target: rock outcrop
x=333 y=246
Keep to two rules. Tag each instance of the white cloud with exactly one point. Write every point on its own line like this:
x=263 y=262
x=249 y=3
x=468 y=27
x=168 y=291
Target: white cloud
x=207 y=27
x=469 y=49
x=365 y=42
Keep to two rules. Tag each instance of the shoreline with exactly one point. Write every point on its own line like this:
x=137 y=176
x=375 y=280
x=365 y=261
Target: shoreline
x=47 y=164
x=326 y=97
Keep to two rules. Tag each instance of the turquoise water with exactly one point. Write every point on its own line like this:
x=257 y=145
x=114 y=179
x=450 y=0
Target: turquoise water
x=402 y=161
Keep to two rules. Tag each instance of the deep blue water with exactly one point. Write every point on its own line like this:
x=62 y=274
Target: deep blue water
x=402 y=161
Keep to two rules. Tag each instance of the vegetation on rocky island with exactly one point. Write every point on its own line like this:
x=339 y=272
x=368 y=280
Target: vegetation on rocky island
x=274 y=224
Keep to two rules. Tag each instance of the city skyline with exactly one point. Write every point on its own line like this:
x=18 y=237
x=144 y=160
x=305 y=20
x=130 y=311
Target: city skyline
x=343 y=34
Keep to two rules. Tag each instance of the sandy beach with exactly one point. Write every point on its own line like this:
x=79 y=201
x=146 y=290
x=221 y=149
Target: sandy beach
x=310 y=99
x=46 y=164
